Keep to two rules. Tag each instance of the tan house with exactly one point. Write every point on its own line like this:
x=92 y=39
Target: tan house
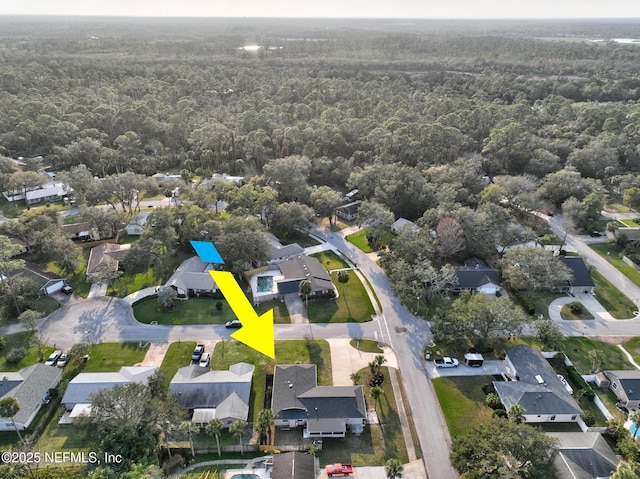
x=106 y=254
x=626 y=386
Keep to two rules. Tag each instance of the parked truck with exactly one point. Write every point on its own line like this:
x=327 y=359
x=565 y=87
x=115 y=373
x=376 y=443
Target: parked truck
x=446 y=362
x=474 y=360
x=338 y=470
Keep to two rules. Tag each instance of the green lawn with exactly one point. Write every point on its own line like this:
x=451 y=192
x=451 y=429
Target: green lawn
x=330 y=260
x=110 y=357
x=630 y=223
x=616 y=303
x=280 y=311
x=353 y=305
x=609 y=252
x=78 y=279
x=178 y=355
x=366 y=345
x=227 y=353
x=359 y=239
x=569 y=315
x=377 y=443
x=609 y=400
x=462 y=401
x=20 y=340
x=192 y=311
x=633 y=347
x=577 y=350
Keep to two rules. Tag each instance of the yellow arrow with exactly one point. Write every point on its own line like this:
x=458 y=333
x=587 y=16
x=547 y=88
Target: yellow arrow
x=256 y=331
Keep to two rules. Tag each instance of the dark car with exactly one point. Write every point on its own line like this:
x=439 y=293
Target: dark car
x=197 y=352
x=595 y=234
x=67 y=290
x=233 y=324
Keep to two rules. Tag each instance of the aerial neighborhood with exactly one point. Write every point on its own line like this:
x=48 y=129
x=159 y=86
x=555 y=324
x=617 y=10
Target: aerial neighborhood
x=442 y=224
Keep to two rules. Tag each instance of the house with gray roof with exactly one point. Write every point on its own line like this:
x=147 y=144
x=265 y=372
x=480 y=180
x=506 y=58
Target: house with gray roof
x=305 y=267
x=322 y=411
x=581 y=283
x=349 y=211
x=192 y=278
x=28 y=386
x=293 y=465
x=137 y=223
x=583 y=455
x=77 y=397
x=81 y=232
x=106 y=255
x=403 y=224
x=475 y=275
x=626 y=386
x=536 y=387
x=212 y=394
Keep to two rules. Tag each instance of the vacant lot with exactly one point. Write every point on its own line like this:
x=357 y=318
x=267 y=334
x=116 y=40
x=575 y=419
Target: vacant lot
x=578 y=349
x=353 y=305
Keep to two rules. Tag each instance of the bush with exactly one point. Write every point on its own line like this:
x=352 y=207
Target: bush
x=16 y=355
x=525 y=302
x=580 y=383
x=219 y=306
x=493 y=401
x=588 y=418
x=576 y=307
x=376 y=380
x=500 y=413
x=489 y=388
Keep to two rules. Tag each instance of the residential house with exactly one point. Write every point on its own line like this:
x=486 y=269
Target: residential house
x=322 y=411
x=46 y=282
x=349 y=211
x=28 y=386
x=630 y=233
x=536 y=387
x=192 y=278
x=583 y=455
x=293 y=465
x=161 y=177
x=81 y=232
x=46 y=193
x=211 y=394
x=626 y=386
x=106 y=254
x=137 y=223
x=236 y=180
x=278 y=253
x=77 y=397
x=24 y=247
x=403 y=223
x=302 y=268
x=581 y=282
x=475 y=275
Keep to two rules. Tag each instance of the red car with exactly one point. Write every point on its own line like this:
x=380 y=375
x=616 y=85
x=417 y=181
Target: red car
x=339 y=470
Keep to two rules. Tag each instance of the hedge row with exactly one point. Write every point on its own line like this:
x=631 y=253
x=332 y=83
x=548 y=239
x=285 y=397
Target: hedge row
x=579 y=381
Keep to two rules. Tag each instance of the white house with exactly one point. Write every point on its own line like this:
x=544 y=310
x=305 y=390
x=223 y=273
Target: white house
x=137 y=223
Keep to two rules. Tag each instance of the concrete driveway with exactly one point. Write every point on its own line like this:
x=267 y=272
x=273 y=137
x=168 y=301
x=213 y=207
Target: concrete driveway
x=488 y=368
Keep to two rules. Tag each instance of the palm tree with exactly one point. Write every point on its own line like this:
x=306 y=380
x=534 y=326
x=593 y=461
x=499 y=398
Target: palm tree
x=375 y=394
x=265 y=421
x=9 y=407
x=343 y=277
x=305 y=289
x=356 y=377
x=393 y=468
x=379 y=360
x=635 y=418
x=237 y=429
x=188 y=428
x=213 y=429
x=516 y=413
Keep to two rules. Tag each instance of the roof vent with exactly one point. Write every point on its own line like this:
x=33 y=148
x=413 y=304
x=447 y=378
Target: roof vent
x=290 y=385
x=539 y=379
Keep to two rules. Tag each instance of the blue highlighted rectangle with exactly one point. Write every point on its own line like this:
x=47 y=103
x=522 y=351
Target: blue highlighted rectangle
x=207 y=252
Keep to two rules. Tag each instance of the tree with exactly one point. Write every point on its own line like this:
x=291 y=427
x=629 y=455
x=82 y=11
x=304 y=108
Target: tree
x=393 y=468
x=166 y=297
x=375 y=393
x=237 y=429
x=549 y=335
x=627 y=470
x=375 y=218
x=61 y=250
x=289 y=218
x=265 y=423
x=78 y=180
x=188 y=428
x=597 y=357
x=9 y=407
x=288 y=176
x=8 y=264
x=480 y=318
x=559 y=186
x=30 y=319
x=356 y=378
x=214 y=428
x=325 y=200
x=450 y=237
x=487 y=451
x=512 y=234
x=634 y=417
x=106 y=273
x=343 y=278
x=534 y=269
x=581 y=216
x=305 y=288
x=516 y=413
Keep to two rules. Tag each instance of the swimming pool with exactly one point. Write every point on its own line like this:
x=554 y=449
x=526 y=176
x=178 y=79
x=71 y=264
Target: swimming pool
x=245 y=476
x=264 y=284
x=633 y=428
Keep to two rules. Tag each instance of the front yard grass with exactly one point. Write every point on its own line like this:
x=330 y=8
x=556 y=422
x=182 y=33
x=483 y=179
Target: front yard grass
x=78 y=279
x=178 y=355
x=227 y=353
x=378 y=442
x=610 y=253
x=280 y=311
x=191 y=311
x=359 y=240
x=633 y=347
x=616 y=303
x=462 y=401
x=110 y=357
x=577 y=350
x=569 y=315
x=21 y=340
x=330 y=260
x=353 y=305
x=366 y=345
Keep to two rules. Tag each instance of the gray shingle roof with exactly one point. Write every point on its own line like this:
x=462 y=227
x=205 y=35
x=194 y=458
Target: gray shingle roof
x=334 y=401
x=472 y=278
x=193 y=273
x=581 y=276
x=28 y=386
x=630 y=381
x=583 y=455
x=304 y=267
x=289 y=381
x=293 y=465
x=286 y=251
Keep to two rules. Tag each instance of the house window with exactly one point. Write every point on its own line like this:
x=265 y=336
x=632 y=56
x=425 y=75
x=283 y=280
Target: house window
x=552 y=418
x=614 y=386
x=573 y=418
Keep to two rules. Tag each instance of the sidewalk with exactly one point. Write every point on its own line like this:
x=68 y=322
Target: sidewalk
x=143 y=293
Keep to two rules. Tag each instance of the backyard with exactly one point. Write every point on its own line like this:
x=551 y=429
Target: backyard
x=353 y=304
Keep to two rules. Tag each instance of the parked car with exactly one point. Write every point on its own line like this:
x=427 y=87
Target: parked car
x=46 y=399
x=595 y=234
x=338 y=470
x=446 y=363
x=62 y=360
x=233 y=324
x=205 y=360
x=197 y=352
x=67 y=290
x=53 y=358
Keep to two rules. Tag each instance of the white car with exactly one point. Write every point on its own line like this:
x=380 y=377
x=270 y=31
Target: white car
x=62 y=360
x=205 y=359
x=53 y=358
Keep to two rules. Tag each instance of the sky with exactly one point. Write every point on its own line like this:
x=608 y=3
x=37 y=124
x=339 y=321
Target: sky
x=330 y=8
